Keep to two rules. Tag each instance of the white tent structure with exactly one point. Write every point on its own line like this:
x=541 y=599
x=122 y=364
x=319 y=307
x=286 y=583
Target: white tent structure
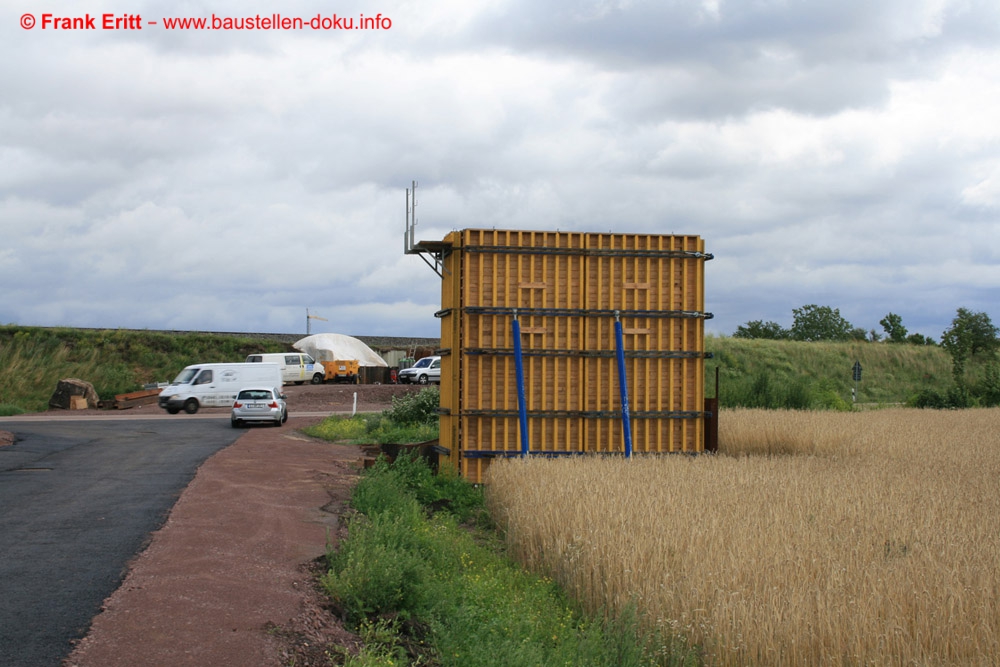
x=331 y=347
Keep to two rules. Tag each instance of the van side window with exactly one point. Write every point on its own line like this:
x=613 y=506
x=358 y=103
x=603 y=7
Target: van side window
x=205 y=377
x=254 y=358
x=292 y=360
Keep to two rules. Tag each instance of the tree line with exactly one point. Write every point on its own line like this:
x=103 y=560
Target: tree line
x=972 y=339
x=823 y=323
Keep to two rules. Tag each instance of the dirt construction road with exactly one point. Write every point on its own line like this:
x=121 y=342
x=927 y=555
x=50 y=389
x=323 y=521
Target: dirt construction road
x=228 y=579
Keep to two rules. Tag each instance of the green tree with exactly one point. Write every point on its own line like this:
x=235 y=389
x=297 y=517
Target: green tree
x=970 y=334
x=919 y=339
x=815 y=323
x=760 y=329
x=895 y=332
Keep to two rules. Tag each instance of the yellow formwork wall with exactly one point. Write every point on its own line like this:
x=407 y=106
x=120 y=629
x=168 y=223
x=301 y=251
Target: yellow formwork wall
x=566 y=289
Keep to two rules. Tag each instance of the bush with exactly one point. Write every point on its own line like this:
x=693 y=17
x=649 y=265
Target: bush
x=827 y=398
x=988 y=391
x=413 y=409
x=927 y=398
x=955 y=397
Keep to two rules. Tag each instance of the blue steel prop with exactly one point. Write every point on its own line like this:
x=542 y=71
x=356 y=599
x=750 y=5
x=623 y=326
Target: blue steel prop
x=623 y=386
x=522 y=408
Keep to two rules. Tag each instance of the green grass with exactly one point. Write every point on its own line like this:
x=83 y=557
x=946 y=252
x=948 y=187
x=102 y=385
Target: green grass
x=790 y=374
x=374 y=429
x=412 y=418
x=426 y=589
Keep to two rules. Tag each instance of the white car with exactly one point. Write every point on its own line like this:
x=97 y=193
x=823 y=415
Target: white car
x=259 y=404
x=425 y=370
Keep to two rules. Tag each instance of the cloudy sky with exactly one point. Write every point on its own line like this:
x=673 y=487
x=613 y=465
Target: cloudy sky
x=837 y=152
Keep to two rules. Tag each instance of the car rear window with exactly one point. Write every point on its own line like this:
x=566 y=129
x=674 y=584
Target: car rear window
x=255 y=394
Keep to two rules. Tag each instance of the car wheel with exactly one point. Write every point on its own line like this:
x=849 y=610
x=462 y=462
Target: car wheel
x=191 y=406
x=423 y=379
x=235 y=423
x=173 y=411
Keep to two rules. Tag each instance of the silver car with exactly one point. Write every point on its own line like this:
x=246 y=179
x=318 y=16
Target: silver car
x=259 y=404
x=425 y=370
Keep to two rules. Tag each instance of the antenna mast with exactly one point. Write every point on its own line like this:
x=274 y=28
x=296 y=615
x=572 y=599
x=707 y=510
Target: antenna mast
x=435 y=250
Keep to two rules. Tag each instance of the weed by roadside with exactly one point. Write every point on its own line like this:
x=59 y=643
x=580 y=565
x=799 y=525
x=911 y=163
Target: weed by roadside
x=412 y=418
x=424 y=588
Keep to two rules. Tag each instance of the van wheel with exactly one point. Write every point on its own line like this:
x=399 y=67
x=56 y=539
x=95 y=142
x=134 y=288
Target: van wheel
x=300 y=382
x=173 y=411
x=423 y=379
x=317 y=379
x=191 y=406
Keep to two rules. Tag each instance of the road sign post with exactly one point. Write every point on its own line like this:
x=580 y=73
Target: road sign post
x=856 y=371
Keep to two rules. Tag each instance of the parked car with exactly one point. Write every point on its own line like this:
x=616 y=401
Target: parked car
x=259 y=404
x=425 y=370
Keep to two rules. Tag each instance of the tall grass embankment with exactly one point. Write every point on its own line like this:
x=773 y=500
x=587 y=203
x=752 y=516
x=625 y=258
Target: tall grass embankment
x=797 y=375
x=34 y=359
x=865 y=538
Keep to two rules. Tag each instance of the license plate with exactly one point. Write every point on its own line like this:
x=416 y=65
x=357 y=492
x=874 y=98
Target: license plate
x=256 y=406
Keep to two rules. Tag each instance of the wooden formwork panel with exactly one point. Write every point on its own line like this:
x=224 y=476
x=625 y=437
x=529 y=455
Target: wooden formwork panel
x=566 y=290
x=579 y=383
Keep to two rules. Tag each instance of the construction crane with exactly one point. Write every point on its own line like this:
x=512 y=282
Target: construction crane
x=310 y=318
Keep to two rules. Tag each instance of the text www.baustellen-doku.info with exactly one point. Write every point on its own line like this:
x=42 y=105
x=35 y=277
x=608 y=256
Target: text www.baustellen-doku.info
x=123 y=21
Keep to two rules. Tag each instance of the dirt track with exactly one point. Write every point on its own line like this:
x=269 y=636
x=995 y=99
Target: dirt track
x=227 y=580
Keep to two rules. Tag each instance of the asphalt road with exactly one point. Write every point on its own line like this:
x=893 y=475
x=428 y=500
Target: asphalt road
x=78 y=500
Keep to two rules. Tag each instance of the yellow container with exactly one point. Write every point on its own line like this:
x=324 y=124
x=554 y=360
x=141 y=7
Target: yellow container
x=566 y=290
x=342 y=370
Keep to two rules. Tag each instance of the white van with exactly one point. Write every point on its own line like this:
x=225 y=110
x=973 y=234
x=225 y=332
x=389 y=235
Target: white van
x=295 y=367
x=215 y=385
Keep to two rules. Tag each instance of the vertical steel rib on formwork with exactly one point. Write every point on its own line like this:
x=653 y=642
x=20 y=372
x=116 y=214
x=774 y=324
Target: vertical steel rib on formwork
x=623 y=386
x=522 y=408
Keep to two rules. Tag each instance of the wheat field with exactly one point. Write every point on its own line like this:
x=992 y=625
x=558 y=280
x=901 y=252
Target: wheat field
x=813 y=538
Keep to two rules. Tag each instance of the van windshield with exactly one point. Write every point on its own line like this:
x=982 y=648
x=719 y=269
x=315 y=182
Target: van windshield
x=186 y=376
x=423 y=363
